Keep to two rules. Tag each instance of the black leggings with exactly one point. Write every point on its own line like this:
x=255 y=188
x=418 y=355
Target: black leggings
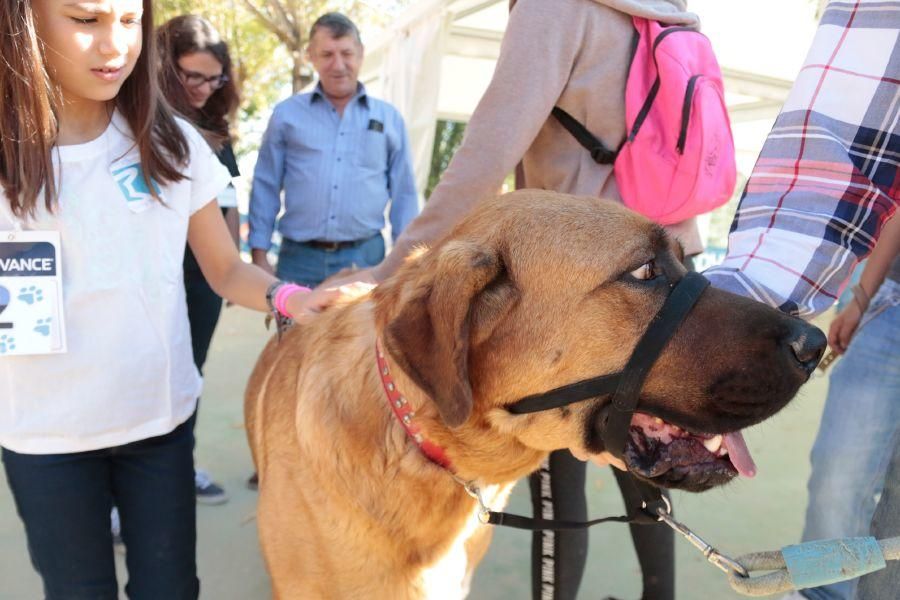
x=558 y=557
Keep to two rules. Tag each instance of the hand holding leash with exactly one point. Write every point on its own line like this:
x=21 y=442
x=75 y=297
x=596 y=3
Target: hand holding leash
x=813 y=564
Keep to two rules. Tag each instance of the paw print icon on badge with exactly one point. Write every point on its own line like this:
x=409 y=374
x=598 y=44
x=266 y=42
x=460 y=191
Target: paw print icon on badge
x=31 y=294
x=43 y=326
x=7 y=344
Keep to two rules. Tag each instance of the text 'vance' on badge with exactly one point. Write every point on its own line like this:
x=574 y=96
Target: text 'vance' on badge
x=26 y=259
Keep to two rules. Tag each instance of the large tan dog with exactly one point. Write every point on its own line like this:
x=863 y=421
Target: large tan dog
x=533 y=291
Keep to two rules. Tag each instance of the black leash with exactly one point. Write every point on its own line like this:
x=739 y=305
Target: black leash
x=647 y=514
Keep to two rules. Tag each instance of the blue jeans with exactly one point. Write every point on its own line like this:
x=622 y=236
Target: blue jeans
x=65 y=501
x=860 y=427
x=883 y=584
x=309 y=266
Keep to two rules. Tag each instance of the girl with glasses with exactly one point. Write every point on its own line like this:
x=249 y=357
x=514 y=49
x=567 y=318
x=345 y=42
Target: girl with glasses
x=195 y=77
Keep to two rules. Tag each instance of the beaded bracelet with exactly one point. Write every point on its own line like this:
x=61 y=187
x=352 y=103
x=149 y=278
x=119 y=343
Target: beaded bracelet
x=270 y=295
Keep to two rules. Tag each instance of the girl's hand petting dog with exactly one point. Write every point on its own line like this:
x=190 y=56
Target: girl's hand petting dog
x=304 y=306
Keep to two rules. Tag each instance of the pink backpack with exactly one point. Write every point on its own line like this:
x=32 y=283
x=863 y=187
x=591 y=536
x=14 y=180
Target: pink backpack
x=677 y=160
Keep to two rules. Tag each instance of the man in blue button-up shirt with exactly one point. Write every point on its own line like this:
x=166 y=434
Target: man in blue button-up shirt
x=340 y=156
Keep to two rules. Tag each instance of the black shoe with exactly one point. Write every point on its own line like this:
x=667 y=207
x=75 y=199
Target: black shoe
x=208 y=492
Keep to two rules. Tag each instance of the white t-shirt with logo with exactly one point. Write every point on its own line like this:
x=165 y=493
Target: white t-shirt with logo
x=129 y=372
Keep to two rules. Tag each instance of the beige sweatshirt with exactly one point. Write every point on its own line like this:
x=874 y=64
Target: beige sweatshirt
x=571 y=53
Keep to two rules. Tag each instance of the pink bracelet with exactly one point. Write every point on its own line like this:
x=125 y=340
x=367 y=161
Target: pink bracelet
x=284 y=292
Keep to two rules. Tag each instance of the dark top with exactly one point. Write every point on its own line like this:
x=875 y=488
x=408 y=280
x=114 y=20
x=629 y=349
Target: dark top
x=227 y=158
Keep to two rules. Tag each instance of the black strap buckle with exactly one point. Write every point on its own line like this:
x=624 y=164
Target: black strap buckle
x=603 y=156
x=600 y=153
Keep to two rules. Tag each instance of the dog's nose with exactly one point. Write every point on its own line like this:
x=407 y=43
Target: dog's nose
x=807 y=344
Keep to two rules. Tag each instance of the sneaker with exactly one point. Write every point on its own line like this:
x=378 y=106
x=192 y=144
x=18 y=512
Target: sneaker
x=253 y=482
x=208 y=492
x=115 y=525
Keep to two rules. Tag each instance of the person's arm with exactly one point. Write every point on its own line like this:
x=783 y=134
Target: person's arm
x=880 y=260
x=232 y=278
x=528 y=80
x=825 y=182
x=844 y=325
x=401 y=182
x=265 y=196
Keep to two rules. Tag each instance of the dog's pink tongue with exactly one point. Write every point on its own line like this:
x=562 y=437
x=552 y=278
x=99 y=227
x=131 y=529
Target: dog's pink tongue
x=739 y=454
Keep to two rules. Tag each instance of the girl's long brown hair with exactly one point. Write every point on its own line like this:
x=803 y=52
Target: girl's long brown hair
x=29 y=107
x=187 y=34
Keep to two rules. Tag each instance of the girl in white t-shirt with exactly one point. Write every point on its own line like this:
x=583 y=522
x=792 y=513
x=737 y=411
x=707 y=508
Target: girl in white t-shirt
x=93 y=162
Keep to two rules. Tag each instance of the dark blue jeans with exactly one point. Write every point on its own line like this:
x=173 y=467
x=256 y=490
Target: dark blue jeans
x=65 y=500
x=303 y=264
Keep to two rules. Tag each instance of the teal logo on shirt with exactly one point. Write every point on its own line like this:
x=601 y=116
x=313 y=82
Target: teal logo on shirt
x=132 y=185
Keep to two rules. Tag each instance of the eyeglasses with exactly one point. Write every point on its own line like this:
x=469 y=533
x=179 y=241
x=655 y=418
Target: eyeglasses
x=194 y=80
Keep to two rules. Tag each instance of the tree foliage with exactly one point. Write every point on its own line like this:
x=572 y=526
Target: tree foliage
x=447 y=139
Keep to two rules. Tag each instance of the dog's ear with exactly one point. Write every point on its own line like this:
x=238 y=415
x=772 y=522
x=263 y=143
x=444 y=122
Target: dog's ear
x=430 y=336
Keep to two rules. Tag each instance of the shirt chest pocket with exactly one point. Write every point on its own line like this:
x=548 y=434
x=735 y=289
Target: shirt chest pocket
x=372 y=152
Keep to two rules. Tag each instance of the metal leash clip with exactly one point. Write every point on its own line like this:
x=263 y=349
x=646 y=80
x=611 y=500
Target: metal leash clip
x=725 y=563
x=484 y=513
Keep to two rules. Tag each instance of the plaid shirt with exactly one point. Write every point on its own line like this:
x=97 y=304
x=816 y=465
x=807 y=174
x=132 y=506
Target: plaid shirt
x=828 y=176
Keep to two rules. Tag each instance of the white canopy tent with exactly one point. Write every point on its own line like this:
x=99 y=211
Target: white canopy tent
x=435 y=61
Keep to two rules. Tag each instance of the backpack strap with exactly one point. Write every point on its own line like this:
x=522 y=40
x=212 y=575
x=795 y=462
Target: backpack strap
x=600 y=153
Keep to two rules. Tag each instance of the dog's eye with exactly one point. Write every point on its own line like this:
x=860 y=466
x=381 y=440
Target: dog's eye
x=645 y=272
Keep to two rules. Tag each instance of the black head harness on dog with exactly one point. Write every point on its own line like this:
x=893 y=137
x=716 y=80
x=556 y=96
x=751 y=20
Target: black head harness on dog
x=625 y=386
x=644 y=502
x=648 y=504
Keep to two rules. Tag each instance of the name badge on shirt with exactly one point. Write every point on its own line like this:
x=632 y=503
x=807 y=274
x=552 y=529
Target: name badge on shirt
x=31 y=304
x=376 y=125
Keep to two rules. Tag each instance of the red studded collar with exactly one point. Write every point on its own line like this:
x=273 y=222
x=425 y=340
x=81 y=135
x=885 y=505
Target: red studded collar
x=406 y=415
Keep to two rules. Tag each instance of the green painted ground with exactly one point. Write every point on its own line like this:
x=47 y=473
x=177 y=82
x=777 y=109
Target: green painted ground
x=759 y=514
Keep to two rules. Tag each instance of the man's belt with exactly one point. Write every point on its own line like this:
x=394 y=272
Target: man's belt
x=334 y=246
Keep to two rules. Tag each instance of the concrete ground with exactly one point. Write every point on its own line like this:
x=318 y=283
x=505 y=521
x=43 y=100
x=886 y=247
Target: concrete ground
x=749 y=515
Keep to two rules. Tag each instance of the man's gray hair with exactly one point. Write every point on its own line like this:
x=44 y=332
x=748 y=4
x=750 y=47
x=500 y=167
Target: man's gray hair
x=338 y=24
